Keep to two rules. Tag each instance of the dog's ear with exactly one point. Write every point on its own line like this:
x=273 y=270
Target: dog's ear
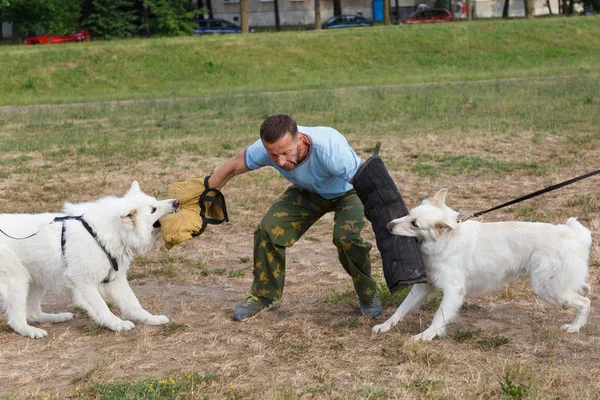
x=439 y=199
x=442 y=227
x=134 y=189
x=130 y=216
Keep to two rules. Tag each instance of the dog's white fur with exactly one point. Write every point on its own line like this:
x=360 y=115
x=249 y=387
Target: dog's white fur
x=30 y=266
x=470 y=258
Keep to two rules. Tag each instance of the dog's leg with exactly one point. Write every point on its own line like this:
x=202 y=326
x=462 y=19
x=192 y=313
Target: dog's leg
x=415 y=298
x=582 y=305
x=445 y=314
x=88 y=297
x=14 y=286
x=120 y=293
x=562 y=291
x=16 y=304
x=34 y=308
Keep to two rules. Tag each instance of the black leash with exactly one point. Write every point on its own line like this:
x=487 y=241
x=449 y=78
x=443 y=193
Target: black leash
x=529 y=196
x=22 y=238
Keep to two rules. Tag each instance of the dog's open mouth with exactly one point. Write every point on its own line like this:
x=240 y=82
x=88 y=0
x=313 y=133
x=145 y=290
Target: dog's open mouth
x=156 y=224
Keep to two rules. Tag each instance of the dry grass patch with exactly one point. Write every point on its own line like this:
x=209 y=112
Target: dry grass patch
x=515 y=138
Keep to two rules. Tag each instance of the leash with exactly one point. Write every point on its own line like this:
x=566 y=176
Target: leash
x=63 y=240
x=35 y=233
x=529 y=196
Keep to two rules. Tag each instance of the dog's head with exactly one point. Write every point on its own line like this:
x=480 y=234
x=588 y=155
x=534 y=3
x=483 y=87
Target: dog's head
x=428 y=221
x=145 y=211
x=129 y=223
x=140 y=218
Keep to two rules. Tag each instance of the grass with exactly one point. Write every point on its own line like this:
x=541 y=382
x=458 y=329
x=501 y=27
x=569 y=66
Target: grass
x=461 y=335
x=483 y=112
x=173 y=327
x=107 y=137
x=425 y=386
x=234 y=64
x=180 y=387
x=491 y=340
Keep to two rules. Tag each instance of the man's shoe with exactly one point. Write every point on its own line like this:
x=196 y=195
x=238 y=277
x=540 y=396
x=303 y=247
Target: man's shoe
x=374 y=310
x=251 y=306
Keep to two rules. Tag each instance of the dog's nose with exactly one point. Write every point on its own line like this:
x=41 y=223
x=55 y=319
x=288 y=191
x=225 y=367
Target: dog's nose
x=389 y=226
x=176 y=204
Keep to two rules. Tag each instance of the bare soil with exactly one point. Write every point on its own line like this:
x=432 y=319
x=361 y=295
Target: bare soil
x=310 y=346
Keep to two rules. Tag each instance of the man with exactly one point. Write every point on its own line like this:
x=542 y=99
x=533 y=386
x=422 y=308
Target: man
x=319 y=162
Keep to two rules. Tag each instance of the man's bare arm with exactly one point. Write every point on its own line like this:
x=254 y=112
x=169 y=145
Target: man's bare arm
x=234 y=166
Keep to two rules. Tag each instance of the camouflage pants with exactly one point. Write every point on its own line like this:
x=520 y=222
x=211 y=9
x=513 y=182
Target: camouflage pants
x=287 y=220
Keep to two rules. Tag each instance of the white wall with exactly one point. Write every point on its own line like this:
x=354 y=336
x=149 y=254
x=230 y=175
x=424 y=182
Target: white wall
x=6 y=30
x=493 y=8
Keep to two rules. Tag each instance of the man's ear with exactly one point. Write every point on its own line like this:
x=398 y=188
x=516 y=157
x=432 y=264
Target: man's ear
x=134 y=189
x=129 y=218
x=439 y=199
x=441 y=227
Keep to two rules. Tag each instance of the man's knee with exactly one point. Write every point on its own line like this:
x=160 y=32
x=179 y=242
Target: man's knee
x=345 y=241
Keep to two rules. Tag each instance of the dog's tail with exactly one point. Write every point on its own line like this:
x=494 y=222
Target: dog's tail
x=582 y=230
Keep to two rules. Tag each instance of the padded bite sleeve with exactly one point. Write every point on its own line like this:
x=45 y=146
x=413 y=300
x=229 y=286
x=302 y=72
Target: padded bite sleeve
x=400 y=255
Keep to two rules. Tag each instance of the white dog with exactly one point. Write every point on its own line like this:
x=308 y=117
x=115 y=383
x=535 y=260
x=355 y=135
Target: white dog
x=470 y=258
x=88 y=249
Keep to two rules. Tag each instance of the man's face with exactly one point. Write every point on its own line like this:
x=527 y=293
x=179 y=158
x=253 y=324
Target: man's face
x=284 y=152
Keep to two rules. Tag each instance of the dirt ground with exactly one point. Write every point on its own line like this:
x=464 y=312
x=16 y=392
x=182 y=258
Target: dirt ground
x=311 y=345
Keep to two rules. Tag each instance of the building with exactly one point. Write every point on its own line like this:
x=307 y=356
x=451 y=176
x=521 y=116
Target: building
x=291 y=12
x=6 y=30
x=302 y=12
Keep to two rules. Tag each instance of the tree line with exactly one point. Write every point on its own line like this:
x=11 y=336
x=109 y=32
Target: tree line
x=106 y=19
x=110 y=19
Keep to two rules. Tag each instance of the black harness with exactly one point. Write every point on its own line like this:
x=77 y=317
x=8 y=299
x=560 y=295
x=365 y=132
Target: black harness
x=63 y=240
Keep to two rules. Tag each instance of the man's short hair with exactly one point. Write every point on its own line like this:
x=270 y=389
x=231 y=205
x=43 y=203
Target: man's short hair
x=276 y=126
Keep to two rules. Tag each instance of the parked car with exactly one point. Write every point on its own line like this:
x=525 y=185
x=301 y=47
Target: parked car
x=82 y=36
x=344 y=21
x=427 y=16
x=210 y=26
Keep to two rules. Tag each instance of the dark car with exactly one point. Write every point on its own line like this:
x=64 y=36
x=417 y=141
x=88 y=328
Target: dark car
x=344 y=21
x=82 y=36
x=210 y=26
x=428 y=16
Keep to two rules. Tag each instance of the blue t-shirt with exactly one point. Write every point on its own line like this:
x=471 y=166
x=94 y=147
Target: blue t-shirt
x=326 y=170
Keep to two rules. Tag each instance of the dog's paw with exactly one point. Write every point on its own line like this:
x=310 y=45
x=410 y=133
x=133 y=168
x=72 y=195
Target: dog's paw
x=423 y=336
x=157 y=320
x=32 y=332
x=121 y=326
x=58 y=317
x=568 y=328
x=64 y=316
x=382 y=328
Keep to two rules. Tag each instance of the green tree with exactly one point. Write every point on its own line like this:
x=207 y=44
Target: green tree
x=63 y=16
x=38 y=16
x=170 y=17
x=112 y=19
x=593 y=4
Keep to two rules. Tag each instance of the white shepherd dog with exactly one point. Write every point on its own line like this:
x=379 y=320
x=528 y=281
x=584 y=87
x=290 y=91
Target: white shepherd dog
x=87 y=249
x=471 y=257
